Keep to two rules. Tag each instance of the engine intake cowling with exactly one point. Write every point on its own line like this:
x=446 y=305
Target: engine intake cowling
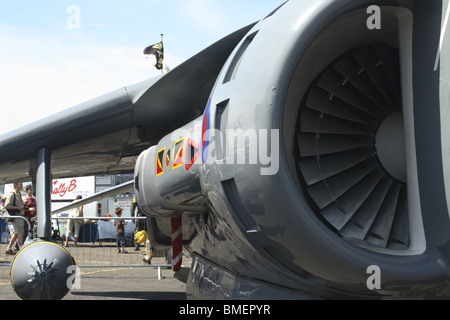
x=339 y=98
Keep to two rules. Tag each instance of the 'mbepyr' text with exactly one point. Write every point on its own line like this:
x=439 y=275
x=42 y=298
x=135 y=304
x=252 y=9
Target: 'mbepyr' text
x=244 y=309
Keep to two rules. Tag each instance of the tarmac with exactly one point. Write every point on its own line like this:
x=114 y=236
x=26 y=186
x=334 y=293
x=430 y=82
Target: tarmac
x=117 y=283
x=136 y=281
x=110 y=288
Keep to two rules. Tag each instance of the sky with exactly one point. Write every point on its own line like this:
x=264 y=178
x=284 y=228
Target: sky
x=55 y=54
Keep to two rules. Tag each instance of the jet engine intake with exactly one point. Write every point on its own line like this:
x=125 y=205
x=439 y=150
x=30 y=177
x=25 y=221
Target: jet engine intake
x=345 y=194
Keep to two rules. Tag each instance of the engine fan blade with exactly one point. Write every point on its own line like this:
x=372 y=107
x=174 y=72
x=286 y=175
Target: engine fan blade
x=350 y=187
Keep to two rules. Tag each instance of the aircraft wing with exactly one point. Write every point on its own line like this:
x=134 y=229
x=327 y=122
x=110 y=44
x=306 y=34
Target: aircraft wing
x=105 y=135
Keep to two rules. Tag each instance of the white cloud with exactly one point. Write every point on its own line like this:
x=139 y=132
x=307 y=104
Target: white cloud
x=41 y=74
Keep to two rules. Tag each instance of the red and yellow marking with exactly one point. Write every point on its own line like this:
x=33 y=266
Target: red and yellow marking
x=159 y=162
x=178 y=153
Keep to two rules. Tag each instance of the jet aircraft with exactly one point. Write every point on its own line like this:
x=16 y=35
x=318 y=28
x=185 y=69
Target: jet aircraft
x=304 y=156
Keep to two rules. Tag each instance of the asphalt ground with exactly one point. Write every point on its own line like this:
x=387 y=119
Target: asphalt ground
x=106 y=275
x=113 y=283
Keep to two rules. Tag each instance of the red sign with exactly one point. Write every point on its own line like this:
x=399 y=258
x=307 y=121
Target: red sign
x=61 y=189
x=70 y=188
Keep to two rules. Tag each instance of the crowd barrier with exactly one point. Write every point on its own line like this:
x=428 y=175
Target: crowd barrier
x=96 y=245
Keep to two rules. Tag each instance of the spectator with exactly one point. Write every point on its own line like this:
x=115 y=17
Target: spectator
x=140 y=223
x=30 y=209
x=74 y=223
x=15 y=206
x=119 y=224
x=2 y=213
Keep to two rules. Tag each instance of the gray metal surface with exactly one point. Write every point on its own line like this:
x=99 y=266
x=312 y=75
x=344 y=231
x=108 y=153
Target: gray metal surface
x=42 y=271
x=43 y=193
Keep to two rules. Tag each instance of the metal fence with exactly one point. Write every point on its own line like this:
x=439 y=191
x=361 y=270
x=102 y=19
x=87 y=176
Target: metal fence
x=96 y=245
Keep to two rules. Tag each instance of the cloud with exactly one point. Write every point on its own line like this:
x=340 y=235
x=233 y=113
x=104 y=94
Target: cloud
x=43 y=74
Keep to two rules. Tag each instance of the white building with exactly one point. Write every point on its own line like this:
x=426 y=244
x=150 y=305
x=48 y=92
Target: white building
x=64 y=191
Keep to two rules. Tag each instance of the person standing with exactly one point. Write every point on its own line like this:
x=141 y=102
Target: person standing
x=30 y=209
x=74 y=223
x=15 y=206
x=140 y=223
x=2 y=213
x=119 y=225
